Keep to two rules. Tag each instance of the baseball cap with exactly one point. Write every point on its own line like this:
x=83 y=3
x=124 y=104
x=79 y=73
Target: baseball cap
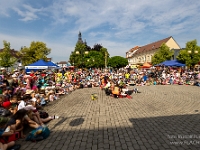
x=6 y=104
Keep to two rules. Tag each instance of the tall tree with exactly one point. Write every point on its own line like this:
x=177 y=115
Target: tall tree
x=97 y=47
x=94 y=58
x=162 y=54
x=6 y=57
x=37 y=50
x=117 y=62
x=191 y=54
x=78 y=55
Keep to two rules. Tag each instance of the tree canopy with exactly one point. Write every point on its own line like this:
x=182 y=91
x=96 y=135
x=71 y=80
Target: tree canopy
x=6 y=57
x=94 y=58
x=162 y=54
x=117 y=62
x=191 y=54
x=37 y=50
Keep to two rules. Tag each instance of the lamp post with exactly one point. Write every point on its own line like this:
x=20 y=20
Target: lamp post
x=82 y=56
x=106 y=55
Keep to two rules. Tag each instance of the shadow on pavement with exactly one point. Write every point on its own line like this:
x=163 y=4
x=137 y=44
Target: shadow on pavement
x=76 y=122
x=167 y=132
x=61 y=120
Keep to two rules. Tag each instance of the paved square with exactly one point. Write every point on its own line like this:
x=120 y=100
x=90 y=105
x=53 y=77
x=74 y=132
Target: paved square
x=160 y=117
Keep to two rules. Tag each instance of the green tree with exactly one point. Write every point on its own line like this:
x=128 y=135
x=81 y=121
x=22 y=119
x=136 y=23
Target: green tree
x=191 y=54
x=162 y=54
x=6 y=57
x=95 y=58
x=77 y=57
x=117 y=62
x=37 y=50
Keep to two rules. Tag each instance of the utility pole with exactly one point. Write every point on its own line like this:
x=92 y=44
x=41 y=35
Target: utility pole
x=106 y=56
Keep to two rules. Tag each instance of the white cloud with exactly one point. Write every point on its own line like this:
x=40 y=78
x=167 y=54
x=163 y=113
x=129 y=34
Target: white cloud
x=116 y=24
x=126 y=17
x=7 y=5
x=28 y=13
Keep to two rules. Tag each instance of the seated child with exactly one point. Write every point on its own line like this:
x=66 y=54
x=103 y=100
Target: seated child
x=180 y=81
x=116 y=91
x=5 y=132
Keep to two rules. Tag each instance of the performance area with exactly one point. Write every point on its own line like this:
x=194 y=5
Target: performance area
x=160 y=117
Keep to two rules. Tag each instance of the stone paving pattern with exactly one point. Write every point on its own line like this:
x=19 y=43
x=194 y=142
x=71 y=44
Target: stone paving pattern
x=154 y=119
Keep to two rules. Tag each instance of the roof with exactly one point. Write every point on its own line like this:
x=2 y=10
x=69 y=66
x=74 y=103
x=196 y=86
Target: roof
x=62 y=62
x=152 y=46
x=133 y=49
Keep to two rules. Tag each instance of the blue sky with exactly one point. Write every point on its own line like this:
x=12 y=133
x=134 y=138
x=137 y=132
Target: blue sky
x=118 y=25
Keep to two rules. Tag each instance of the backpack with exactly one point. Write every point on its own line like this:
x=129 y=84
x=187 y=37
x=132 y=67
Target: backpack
x=38 y=134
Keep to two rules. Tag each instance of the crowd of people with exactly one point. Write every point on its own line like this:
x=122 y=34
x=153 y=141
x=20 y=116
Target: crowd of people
x=23 y=95
x=117 y=83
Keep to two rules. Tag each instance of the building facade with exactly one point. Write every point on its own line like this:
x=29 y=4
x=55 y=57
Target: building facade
x=140 y=55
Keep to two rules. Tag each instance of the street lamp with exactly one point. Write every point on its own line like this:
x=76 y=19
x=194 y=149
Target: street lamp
x=189 y=51
x=82 y=56
x=91 y=62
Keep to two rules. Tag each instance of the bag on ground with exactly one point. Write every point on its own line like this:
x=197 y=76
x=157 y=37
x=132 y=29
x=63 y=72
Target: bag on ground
x=38 y=134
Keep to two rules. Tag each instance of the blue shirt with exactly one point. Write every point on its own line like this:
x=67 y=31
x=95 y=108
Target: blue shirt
x=145 y=78
x=43 y=102
x=1 y=132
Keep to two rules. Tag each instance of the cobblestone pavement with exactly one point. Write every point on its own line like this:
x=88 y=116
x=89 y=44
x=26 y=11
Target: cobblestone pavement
x=160 y=117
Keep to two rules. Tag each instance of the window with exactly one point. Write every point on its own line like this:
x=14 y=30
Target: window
x=148 y=58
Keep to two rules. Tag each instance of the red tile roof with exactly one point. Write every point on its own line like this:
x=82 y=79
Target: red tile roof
x=152 y=46
x=134 y=48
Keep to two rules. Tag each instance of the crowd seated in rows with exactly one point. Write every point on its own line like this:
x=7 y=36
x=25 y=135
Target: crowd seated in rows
x=23 y=96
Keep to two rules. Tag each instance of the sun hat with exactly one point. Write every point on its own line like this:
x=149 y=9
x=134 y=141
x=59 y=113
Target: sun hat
x=14 y=76
x=29 y=91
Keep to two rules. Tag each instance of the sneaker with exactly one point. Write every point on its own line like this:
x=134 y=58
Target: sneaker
x=56 y=117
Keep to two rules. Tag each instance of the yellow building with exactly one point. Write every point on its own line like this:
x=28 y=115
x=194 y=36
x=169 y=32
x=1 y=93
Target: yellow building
x=140 y=55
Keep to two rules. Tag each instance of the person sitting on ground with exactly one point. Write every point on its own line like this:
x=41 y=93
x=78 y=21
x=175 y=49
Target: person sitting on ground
x=34 y=115
x=5 y=133
x=116 y=91
x=16 y=121
x=180 y=82
x=108 y=84
x=59 y=91
x=24 y=103
x=121 y=82
x=51 y=95
x=43 y=99
x=13 y=104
